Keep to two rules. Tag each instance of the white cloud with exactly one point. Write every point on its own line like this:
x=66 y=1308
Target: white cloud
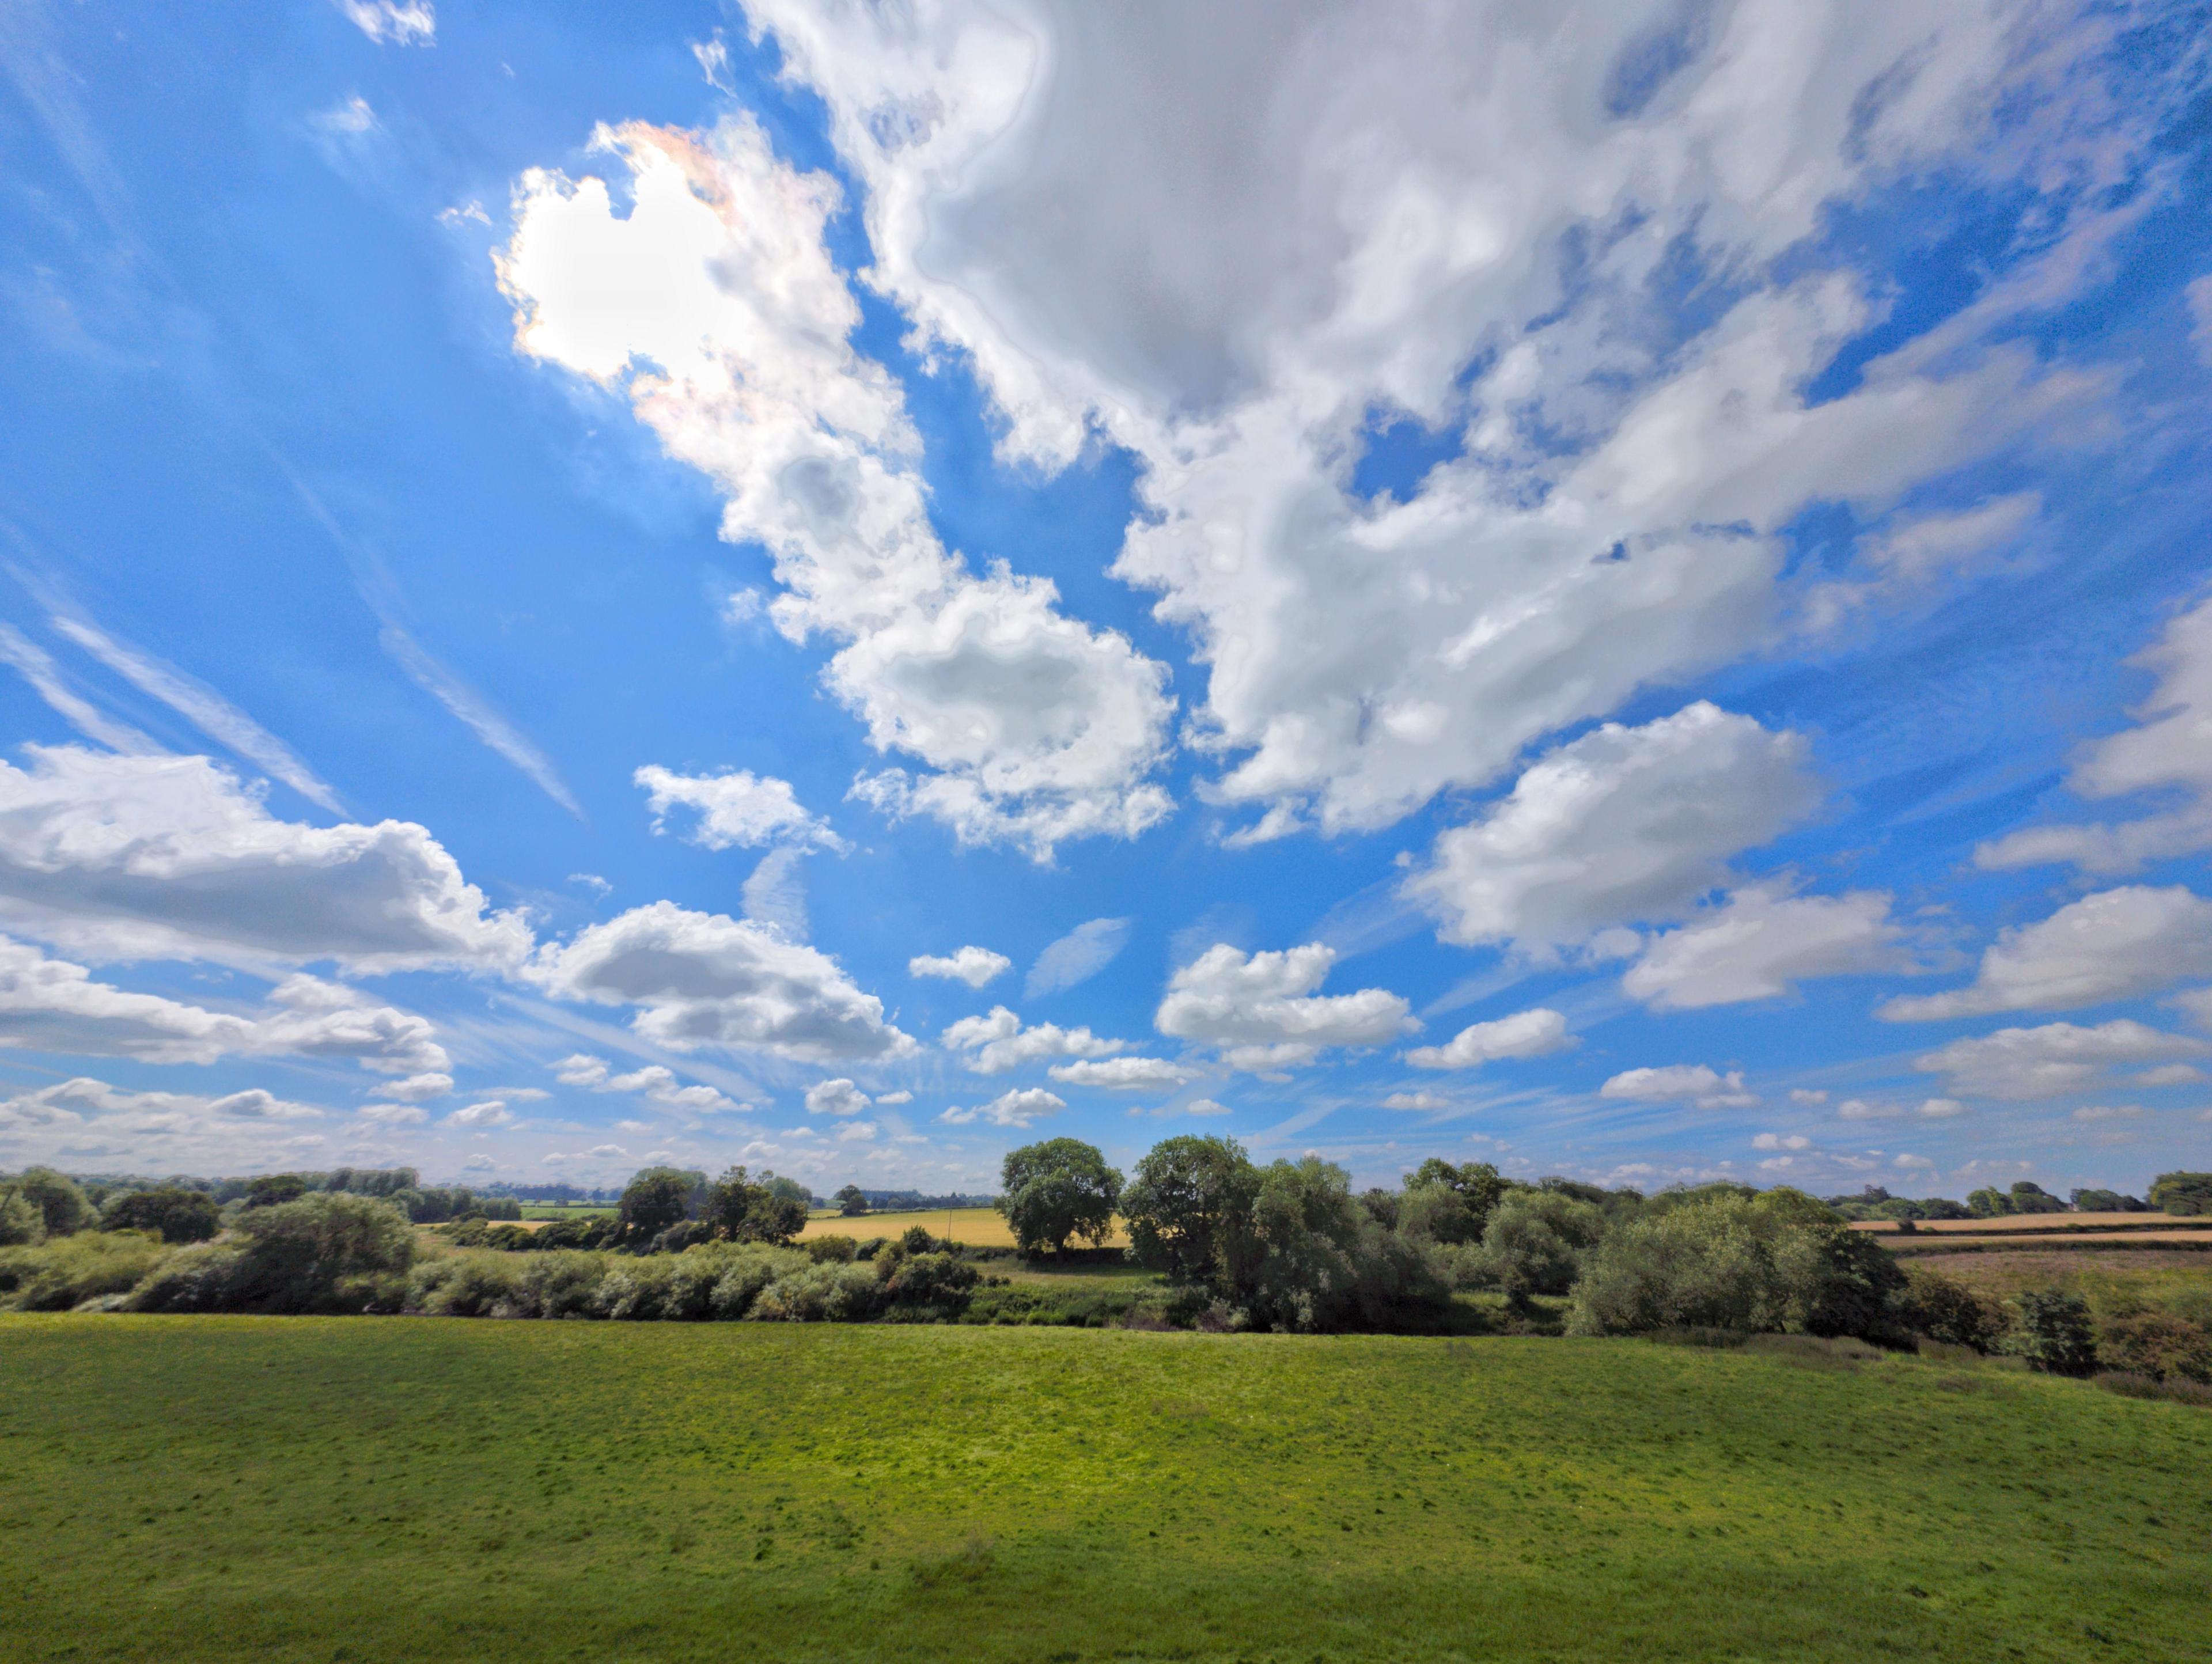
x=1416 y=1101
x=735 y=808
x=1886 y=1109
x=836 y=1097
x=171 y=858
x=857 y=1132
x=2110 y=1112
x=1803 y=1094
x=1911 y=1163
x=581 y=1069
x=350 y=116
x=1293 y=222
x=1916 y=555
x=1762 y=942
x=1123 y=1074
x=1780 y=1141
x=998 y=1042
x=490 y=1112
x=894 y=1097
x=1261 y=1009
x=1678 y=1083
x=415 y=1088
x=398 y=22
x=972 y=965
x=2117 y=944
x=394 y=1114
x=1015 y=1108
x=2168 y=750
x=1077 y=956
x=654 y=1082
x=774 y=892
x=708 y=979
x=2053 y=1060
x=592 y=882
x=1537 y=1032
x=714 y=306
x=1205 y=1107
x=2172 y=1074
x=1621 y=825
x=88 y=1122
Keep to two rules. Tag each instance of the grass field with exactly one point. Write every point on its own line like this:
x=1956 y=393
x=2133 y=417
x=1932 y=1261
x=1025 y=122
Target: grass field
x=2114 y=1283
x=567 y=1211
x=970 y=1227
x=370 y=1489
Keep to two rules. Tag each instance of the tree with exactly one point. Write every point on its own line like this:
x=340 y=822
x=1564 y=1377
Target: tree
x=2188 y=1193
x=177 y=1214
x=20 y=1222
x=2104 y=1201
x=2056 y=1334
x=324 y=1251
x=2028 y=1197
x=1446 y=1204
x=1057 y=1189
x=744 y=1210
x=59 y=1203
x=851 y=1204
x=655 y=1199
x=1535 y=1242
x=1989 y=1203
x=275 y=1189
x=1191 y=1198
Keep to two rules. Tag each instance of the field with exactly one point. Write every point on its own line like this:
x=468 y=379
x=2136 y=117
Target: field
x=367 y=1489
x=543 y=1210
x=2114 y=1282
x=970 y=1227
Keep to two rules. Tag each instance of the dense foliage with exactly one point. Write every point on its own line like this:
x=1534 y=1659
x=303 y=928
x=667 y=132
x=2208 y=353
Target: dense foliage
x=1055 y=1190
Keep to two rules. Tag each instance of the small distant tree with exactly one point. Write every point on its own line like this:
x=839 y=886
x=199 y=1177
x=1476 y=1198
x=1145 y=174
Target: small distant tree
x=275 y=1189
x=179 y=1216
x=654 y=1198
x=1989 y=1203
x=60 y=1202
x=1059 y=1188
x=851 y=1204
x=2104 y=1201
x=2028 y=1197
x=2187 y=1193
x=744 y=1210
x=1190 y=1200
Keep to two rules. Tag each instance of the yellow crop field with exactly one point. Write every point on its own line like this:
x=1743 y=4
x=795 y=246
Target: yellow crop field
x=971 y=1227
x=2028 y=1224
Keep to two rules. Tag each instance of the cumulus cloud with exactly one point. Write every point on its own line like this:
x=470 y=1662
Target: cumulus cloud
x=1260 y=1008
x=51 y=1004
x=1884 y=1109
x=1780 y=1141
x=897 y=1097
x=2169 y=750
x=118 y=857
x=1294 y=224
x=1416 y=1101
x=733 y=809
x=998 y=1042
x=972 y=965
x=415 y=1088
x=1537 y=1032
x=714 y=307
x=1077 y=956
x=394 y=22
x=1682 y=1083
x=2053 y=1060
x=2117 y=944
x=394 y=1114
x=702 y=978
x=1622 y=825
x=654 y=1082
x=88 y=1120
x=490 y=1112
x=1762 y=942
x=1123 y=1074
x=836 y=1097
x=1015 y=1108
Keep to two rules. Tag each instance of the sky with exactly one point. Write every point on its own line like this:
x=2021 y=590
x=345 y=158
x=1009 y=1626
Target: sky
x=1616 y=589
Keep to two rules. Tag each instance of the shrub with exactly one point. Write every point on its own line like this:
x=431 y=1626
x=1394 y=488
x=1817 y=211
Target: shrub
x=20 y=1223
x=825 y=1293
x=1313 y=1259
x=325 y=1252
x=465 y=1285
x=2105 y=1201
x=2028 y=1197
x=1946 y=1310
x=823 y=1250
x=2054 y=1333
x=2158 y=1344
x=65 y=1272
x=173 y=1214
x=1843 y=1283
x=745 y=1275
x=197 y=1278
x=1535 y=1242
x=940 y=1280
x=561 y=1284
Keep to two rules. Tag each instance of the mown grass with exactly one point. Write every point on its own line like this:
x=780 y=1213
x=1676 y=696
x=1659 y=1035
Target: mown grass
x=355 y=1488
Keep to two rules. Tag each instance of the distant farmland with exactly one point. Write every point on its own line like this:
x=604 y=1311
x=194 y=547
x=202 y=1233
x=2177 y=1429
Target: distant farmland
x=971 y=1227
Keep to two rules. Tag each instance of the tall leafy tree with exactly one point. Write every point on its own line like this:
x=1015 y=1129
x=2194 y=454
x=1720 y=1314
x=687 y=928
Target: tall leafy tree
x=1190 y=1202
x=1059 y=1188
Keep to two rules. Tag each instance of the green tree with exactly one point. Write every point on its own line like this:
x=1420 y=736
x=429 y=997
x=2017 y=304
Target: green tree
x=2187 y=1193
x=1057 y=1190
x=2028 y=1197
x=1535 y=1242
x=1989 y=1203
x=177 y=1215
x=20 y=1223
x=275 y=1189
x=745 y=1210
x=1446 y=1204
x=1191 y=1199
x=59 y=1201
x=2055 y=1334
x=851 y=1204
x=654 y=1198
x=324 y=1251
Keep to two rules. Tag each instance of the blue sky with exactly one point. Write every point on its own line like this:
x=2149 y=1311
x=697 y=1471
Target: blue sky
x=1616 y=590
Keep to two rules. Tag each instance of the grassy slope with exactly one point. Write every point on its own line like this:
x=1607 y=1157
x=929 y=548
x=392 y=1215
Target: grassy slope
x=204 y=1487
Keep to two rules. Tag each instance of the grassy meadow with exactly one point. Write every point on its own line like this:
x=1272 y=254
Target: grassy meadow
x=357 y=1488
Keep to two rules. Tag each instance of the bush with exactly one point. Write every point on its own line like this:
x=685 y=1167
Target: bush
x=327 y=1252
x=823 y=1249
x=1535 y=1242
x=940 y=1280
x=465 y=1285
x=20 y=1223
x=173 y=1214
x=1944 y=1309
x=65 y=1271
x=2054 y=1333
x=2158 y=1344
x=1448 y=1205
x=197 y=1278
x=810 y=1293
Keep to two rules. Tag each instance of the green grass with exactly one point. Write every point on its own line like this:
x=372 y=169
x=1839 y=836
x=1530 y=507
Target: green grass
x=2115 y=1282
x=370 y=1489
x=567 y=1211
